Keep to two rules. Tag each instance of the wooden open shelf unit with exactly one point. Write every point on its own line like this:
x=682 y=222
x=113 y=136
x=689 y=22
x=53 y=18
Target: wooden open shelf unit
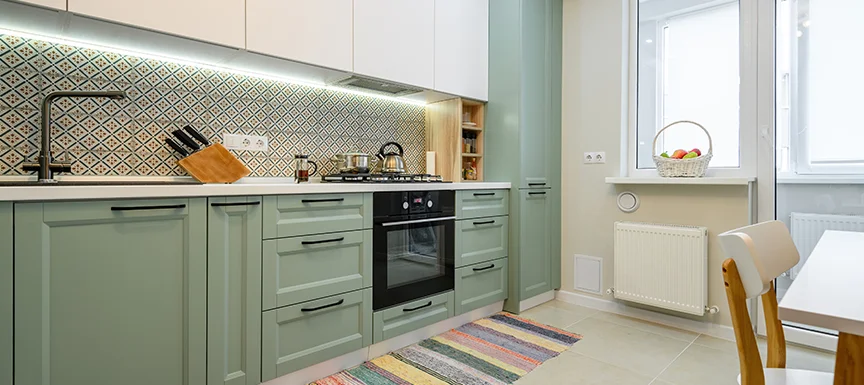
x=448 y=123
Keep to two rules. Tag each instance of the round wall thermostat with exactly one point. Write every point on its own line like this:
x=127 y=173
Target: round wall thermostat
x=628 y=202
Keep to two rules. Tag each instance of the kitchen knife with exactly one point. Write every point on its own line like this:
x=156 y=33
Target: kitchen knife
x=197 y=135
x=179 y=134
x=177 y=147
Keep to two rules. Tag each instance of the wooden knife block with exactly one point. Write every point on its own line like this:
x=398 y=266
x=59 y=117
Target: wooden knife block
x=214 y=164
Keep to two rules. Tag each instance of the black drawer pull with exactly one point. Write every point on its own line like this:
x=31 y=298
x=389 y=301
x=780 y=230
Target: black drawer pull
x=235 y=204
x=323 y=200
x=536 y=184
x=483 y=223
x=536 y=193
x=341 y=301
x=483 y=194
x=418 y=307
x=141 y=208
x=322 y=241
x=484 y=268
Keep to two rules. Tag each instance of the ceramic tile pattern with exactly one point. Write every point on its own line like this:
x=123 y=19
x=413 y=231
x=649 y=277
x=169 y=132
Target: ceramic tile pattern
x=621 y=350
x=125 y=137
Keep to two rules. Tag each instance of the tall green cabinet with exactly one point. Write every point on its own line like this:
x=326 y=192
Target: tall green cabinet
x=6 y=233
x=111 y=292
x=234 y=291
x=523 y=142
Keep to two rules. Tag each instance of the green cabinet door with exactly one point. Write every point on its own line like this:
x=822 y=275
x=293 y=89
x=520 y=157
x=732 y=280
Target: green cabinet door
x=234 y=291
x=534 y=243
x=480 y=285
x=401 y=319
x=6 y=293
x=293 y=215
x=111 y=292
x=481 y=240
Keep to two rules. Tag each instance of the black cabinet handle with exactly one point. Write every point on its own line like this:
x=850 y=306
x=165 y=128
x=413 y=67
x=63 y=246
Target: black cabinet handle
x=235 y=204
x=484 y=268
x=536 y=184
x=141 y=208
x=341 y=301
x=484 y=223
x=536 y=193
x=418 y=307
x=483 y=194
x=322 y=200
x=322 y=241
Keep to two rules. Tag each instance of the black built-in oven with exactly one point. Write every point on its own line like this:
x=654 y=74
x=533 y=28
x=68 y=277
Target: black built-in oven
x=413 y=245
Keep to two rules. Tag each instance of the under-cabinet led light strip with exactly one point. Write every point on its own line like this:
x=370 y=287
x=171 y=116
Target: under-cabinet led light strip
x=147 y=55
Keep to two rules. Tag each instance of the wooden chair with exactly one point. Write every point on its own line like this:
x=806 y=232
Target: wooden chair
x=757 y=255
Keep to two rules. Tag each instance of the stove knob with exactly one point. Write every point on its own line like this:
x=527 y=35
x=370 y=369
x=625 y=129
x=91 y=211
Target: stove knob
x=429 y=204
x=405 y=205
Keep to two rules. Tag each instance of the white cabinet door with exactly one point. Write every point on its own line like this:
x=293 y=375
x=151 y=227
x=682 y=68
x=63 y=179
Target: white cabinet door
x=215 y=21
x=462 y=47
x=395 y=40
x=311 y=31
x=56 y=4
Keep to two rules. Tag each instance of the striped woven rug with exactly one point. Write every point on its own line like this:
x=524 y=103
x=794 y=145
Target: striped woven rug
x=495 y=350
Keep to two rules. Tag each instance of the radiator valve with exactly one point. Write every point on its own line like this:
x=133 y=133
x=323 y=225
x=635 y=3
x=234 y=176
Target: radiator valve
x=610 y=291
x=712 y=309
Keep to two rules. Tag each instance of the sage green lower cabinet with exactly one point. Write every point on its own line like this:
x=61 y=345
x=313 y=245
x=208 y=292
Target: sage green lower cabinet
x=304 y=268
x=298 y=336
x=480 y=285
x=481 y=203
x=535 y=244
x=391 y=322
x=6 y=301
x=481 y=239
x=293 y=215
x=234 y=291
x=111 y=292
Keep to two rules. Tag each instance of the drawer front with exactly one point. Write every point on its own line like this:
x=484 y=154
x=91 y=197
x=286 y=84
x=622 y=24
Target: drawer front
x=314 y=266
x=389 y=323
x=482 y=203
x=480 y=285
x=480 y=240
x=293 y=215
x=298 y=336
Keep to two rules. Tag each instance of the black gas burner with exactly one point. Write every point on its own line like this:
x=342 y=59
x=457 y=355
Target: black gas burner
x=382 y=178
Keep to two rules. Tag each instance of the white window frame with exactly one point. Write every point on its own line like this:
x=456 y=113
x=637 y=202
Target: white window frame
x=748 y=119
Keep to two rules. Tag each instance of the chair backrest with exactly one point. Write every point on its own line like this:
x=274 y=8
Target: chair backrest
x=762 y=252
x=757 y=255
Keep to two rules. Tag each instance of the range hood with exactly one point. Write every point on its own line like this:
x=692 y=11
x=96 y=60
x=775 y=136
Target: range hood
x=377 y=86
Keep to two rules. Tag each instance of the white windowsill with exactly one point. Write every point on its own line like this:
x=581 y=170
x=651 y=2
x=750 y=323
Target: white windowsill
x=735 y=181
x=789 y=178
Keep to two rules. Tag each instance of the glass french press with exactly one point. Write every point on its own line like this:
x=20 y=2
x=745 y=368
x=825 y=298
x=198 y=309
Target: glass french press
x=302 y=166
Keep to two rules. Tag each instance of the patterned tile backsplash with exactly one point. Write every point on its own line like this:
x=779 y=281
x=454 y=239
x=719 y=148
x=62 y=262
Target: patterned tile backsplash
x=126 y=137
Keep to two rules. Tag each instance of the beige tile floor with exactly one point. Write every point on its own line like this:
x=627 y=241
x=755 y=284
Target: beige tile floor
x=622 y=351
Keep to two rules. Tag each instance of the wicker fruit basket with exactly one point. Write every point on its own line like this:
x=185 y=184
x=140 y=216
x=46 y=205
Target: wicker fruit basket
x=683 y=168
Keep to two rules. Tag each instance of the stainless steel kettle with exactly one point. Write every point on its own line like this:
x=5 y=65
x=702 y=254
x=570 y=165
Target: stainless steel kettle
x=392 y=162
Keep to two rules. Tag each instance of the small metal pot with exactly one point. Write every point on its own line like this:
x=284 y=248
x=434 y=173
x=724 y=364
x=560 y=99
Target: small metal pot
x=352 y=162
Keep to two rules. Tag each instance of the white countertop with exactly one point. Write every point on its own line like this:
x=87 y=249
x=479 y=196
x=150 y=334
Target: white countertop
x=829 y=291
x=250 y=186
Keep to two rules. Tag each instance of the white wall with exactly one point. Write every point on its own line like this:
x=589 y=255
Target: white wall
x=593 y=119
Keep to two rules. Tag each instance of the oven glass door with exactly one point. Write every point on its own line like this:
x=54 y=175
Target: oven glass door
x=413 y=259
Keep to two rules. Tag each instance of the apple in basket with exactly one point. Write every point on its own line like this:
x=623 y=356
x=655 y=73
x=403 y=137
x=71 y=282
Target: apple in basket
x=697 y=151
x=678 y=154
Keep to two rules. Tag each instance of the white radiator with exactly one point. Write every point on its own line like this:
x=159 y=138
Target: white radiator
x=662 y=265
x=806 y=230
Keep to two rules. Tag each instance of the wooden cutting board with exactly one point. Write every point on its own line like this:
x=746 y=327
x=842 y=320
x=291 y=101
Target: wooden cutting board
x=214 y=164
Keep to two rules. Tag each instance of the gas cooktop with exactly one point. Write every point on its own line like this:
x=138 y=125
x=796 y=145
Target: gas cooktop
x=382 y=178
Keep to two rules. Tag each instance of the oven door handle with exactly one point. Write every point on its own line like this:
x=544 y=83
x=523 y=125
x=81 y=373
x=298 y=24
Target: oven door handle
x=428 y=220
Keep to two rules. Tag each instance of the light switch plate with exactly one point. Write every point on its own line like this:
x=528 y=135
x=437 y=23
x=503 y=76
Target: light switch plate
x=245 y=142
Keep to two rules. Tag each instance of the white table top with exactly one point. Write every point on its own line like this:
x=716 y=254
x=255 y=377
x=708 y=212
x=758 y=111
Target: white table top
x=829 y=291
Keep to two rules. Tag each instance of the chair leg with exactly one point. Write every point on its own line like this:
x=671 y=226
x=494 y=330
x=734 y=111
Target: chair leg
x=748 y=351
x=776 y=336
x=849 y=365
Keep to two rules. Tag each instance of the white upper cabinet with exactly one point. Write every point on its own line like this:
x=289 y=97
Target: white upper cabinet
x=317 y=32
x=56 y=4
x=395 y=40
x=215 y=21
x=462 y=47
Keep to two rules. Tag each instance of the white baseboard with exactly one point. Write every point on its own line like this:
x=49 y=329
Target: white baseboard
x=711 y=329
x=536 y=300
x=350 y=360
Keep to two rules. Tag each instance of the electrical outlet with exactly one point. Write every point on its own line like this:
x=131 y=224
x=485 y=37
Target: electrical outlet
x=596 y=157
x=588 y=158
x=600 y=157
x=245 y=142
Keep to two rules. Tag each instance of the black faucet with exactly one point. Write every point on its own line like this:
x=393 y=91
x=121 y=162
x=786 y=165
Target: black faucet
x=46 y=166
